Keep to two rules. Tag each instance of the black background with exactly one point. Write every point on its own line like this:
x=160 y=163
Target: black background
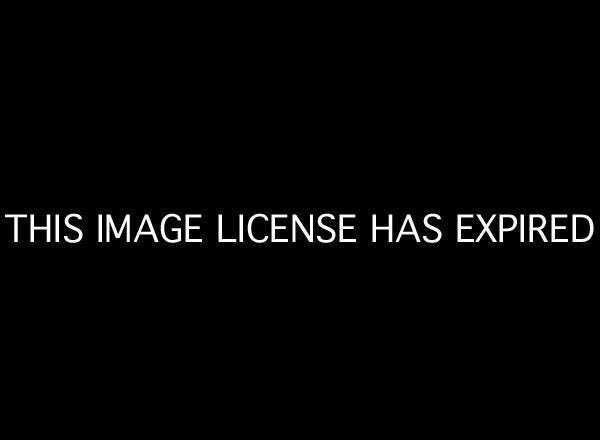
x=381 y=113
